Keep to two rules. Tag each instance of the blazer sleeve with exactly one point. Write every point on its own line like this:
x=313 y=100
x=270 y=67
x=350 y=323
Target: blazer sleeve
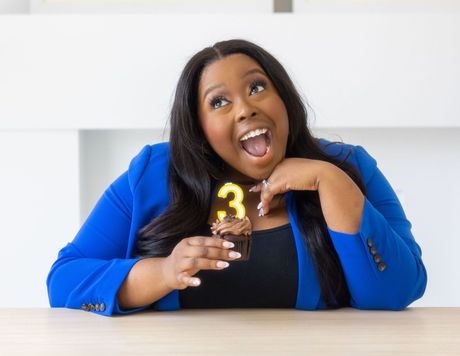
x=382 y=262
x=89 y=270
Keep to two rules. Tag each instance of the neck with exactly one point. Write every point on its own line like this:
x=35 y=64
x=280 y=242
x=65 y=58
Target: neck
x=239 y=182
x=238 y=178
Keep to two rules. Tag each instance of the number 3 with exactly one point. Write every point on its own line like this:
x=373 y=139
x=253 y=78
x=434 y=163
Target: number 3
x=236 y=203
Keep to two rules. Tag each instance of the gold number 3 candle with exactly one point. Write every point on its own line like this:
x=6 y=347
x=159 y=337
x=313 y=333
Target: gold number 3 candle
x=236 y=203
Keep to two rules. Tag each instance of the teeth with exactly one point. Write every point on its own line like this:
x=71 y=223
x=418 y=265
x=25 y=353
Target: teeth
x=253 y=133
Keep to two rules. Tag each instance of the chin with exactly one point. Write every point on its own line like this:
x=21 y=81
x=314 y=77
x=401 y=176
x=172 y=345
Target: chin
x=260 y=174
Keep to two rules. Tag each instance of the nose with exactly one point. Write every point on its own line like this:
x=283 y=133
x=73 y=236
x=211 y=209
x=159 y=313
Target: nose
x=245 y=110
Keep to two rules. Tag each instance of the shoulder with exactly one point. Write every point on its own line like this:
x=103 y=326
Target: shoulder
x=154 y=157
x=357 y=155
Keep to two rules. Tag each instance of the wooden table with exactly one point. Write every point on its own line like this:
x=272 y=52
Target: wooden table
x=417 y=331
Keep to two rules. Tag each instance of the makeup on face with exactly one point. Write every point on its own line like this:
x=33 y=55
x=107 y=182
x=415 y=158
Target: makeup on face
x=242 y=116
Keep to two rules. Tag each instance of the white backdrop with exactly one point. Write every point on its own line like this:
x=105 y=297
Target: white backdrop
x=80 y=95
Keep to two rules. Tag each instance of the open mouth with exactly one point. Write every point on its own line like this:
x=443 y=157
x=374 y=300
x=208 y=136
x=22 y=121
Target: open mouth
x=257 y=143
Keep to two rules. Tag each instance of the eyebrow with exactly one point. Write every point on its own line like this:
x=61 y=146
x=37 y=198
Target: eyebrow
x=250 y=71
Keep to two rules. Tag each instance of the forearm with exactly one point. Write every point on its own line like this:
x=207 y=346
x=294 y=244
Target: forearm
x=143 y=285
x=341 y=199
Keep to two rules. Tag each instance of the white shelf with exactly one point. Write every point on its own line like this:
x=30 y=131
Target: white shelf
x=150 y=6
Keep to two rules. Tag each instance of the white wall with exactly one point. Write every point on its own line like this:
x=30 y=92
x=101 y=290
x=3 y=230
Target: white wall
x=120 y=71
x=104 y=155
x=39 y=206
x=79 y=96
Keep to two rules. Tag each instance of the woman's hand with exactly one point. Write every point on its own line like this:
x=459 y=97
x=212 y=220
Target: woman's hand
x=289 y=174
x=342 y=202
x=193 y=254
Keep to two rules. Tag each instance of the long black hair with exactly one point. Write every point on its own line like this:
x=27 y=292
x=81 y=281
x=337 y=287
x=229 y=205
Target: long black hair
x=194 y=168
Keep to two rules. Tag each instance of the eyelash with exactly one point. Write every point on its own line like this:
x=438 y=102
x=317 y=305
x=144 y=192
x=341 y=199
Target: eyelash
x=254 y=83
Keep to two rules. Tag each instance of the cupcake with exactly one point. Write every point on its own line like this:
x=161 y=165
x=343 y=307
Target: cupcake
x=237 y=231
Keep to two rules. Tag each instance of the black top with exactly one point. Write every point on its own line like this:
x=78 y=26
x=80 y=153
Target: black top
x=268 y=280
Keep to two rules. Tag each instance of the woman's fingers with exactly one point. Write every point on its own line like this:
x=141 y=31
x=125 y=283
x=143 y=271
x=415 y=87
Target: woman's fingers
x=196 y=264
x=210 y=247
x=185 y=279
x=199 y=263
x=213 y=253
x=200 y=252
x=268 y=190
x=271 y=193
x=209 y=242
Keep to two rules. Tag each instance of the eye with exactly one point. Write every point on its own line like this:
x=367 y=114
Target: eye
x=216 y=100
x=258 y=84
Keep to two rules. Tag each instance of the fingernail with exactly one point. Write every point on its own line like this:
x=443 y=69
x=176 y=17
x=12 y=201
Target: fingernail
x=195 y=282
x=228 y=244
x=252 y=188
x=259 y=206
x=234 y=254
x=261 y=212
x=221 y=264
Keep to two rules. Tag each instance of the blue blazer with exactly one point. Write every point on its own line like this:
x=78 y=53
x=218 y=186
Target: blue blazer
x=89 y=270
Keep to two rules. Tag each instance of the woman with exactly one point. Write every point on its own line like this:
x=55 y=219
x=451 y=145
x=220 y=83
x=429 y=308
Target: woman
x=329 y=231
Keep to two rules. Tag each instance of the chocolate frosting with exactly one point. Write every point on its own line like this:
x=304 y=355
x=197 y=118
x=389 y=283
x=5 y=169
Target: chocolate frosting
x=232 y=225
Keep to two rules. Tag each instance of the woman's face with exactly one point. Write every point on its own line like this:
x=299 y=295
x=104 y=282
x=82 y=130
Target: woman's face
x=236 y=98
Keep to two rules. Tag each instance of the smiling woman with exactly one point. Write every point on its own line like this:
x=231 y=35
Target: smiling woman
x=249 y=128
x=328 y=229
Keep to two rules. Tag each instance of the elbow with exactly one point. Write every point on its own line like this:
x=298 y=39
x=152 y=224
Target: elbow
x=59 y=283
x=391 y=297
x=401 y=299
x=389 y=302
x=410 y=290
x=55 y=298
x=379 y=303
